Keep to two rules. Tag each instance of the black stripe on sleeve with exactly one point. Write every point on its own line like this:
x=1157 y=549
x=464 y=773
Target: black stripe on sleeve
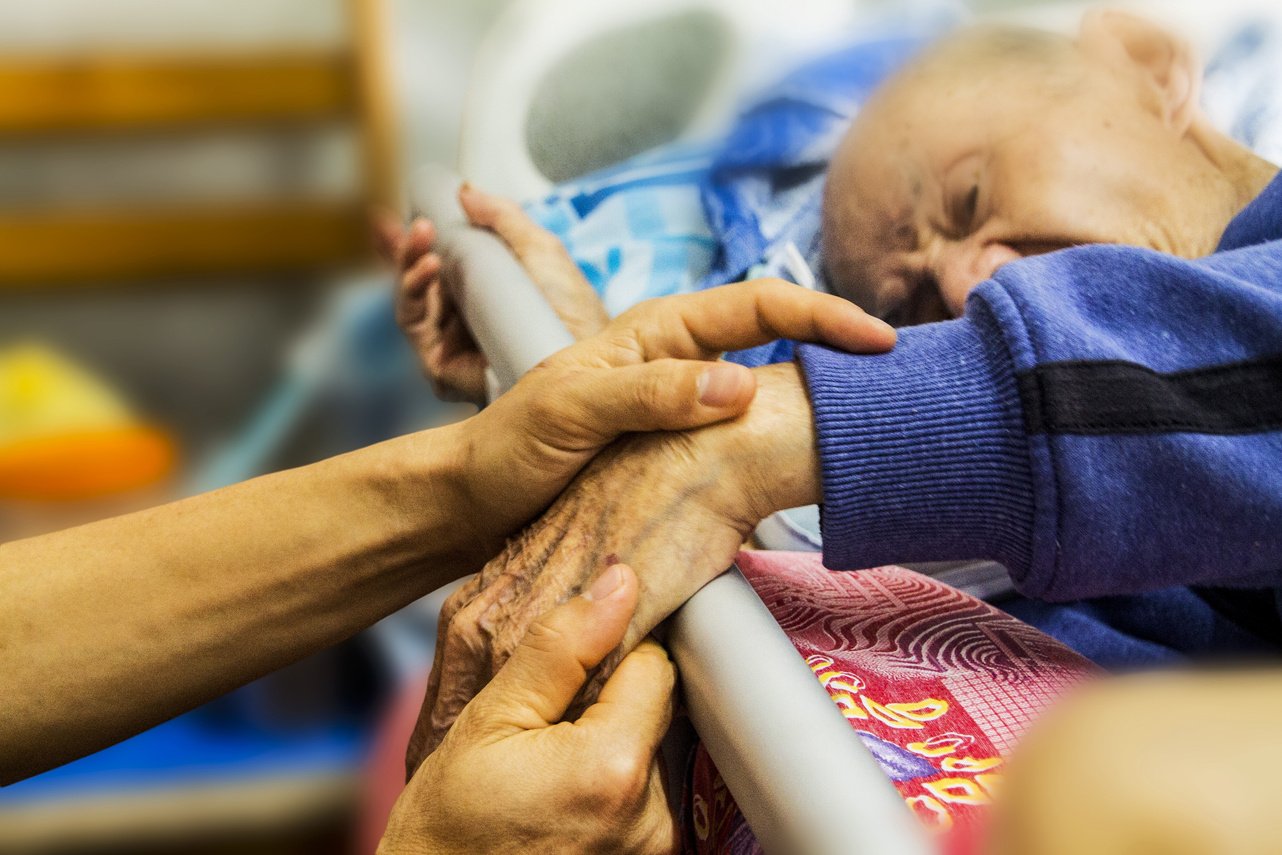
x=1124 y=397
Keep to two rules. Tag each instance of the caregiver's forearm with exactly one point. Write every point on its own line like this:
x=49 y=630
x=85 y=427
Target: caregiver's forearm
x=112 y=627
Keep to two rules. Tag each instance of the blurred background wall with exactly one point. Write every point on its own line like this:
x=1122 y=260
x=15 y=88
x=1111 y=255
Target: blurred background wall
x=198 y=351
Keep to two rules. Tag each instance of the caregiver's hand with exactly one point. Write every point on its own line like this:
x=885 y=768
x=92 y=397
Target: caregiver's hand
x=677 y=505
x=425 y=306
x=651 y=369
x=512 y=775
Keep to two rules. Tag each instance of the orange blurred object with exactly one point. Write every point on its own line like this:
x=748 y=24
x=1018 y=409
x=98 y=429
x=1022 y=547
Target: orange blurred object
x=86 y=464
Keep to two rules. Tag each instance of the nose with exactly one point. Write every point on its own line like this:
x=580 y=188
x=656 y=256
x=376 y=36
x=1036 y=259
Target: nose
x=959 y=267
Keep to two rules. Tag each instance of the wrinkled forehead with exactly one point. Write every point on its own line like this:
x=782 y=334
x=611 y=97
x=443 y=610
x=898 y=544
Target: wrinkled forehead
x=965 y=86
x=972 y=88
x=923 y=113
x=865 y=221
x=884 y=150
x=878 y=179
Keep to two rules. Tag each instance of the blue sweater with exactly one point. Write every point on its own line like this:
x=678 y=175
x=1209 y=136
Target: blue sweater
x=1105 y=421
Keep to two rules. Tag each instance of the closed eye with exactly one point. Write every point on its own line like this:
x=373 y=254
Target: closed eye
x=965 y=209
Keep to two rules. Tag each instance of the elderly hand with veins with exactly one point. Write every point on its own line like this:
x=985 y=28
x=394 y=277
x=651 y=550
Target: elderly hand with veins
x=676 y=506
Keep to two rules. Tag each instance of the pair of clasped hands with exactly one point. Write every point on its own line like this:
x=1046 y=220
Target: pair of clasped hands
x=503 y=766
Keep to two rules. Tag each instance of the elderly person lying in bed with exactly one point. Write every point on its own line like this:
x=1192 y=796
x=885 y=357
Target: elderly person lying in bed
x=1096 y=403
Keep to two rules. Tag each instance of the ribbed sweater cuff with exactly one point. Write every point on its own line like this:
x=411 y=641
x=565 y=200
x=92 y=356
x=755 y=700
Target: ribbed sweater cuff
x=923 y=449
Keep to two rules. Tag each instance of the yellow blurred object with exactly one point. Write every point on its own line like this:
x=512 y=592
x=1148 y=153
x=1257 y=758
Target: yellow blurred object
x=65 y=436
x=42 y=392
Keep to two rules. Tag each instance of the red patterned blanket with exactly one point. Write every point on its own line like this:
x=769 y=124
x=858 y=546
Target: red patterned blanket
x=939 y=685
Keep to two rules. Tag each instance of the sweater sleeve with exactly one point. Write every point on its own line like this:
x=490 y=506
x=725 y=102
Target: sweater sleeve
x=1102 y=420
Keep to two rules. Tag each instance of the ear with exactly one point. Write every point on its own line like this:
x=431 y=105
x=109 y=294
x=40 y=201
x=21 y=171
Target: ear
x=1166 y=65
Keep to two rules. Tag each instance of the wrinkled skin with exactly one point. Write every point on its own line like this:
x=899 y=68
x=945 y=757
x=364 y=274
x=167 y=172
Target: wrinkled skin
x=676 y=507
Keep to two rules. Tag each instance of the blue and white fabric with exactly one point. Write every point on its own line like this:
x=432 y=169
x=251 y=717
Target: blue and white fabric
x=637 y=230
x=1242 y=89
x=683 y=218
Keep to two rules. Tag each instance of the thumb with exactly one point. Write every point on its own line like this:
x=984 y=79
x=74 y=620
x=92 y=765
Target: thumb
x=545 y=672
x=666 y=394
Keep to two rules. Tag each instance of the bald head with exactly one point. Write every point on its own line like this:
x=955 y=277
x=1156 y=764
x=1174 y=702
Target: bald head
x=987 y=50
x=999 y=142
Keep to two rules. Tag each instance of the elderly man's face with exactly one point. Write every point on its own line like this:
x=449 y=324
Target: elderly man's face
x=979 y=156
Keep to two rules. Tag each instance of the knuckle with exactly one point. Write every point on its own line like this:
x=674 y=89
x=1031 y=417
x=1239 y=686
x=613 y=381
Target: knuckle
x=465 y=632
x=665 y=670
x=624 y=778
x=460 y=598
x=647 y=310
x=546 y=371
x=770 y=284
x=626 y=343
x=552 y=386
x=544 y=637
x=654 y=390
x=467 y=638
x=645 y=397
x=769 y=288
x=632 y=311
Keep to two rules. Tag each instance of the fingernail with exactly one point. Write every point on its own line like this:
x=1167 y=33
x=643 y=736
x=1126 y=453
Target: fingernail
x=722 y=385
x=466 y=188
x=885 y=327
x=605 y=585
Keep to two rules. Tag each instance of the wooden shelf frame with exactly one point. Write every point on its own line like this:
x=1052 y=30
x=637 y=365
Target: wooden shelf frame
x=44 y=249
x=141 y=94
x=127 y=93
